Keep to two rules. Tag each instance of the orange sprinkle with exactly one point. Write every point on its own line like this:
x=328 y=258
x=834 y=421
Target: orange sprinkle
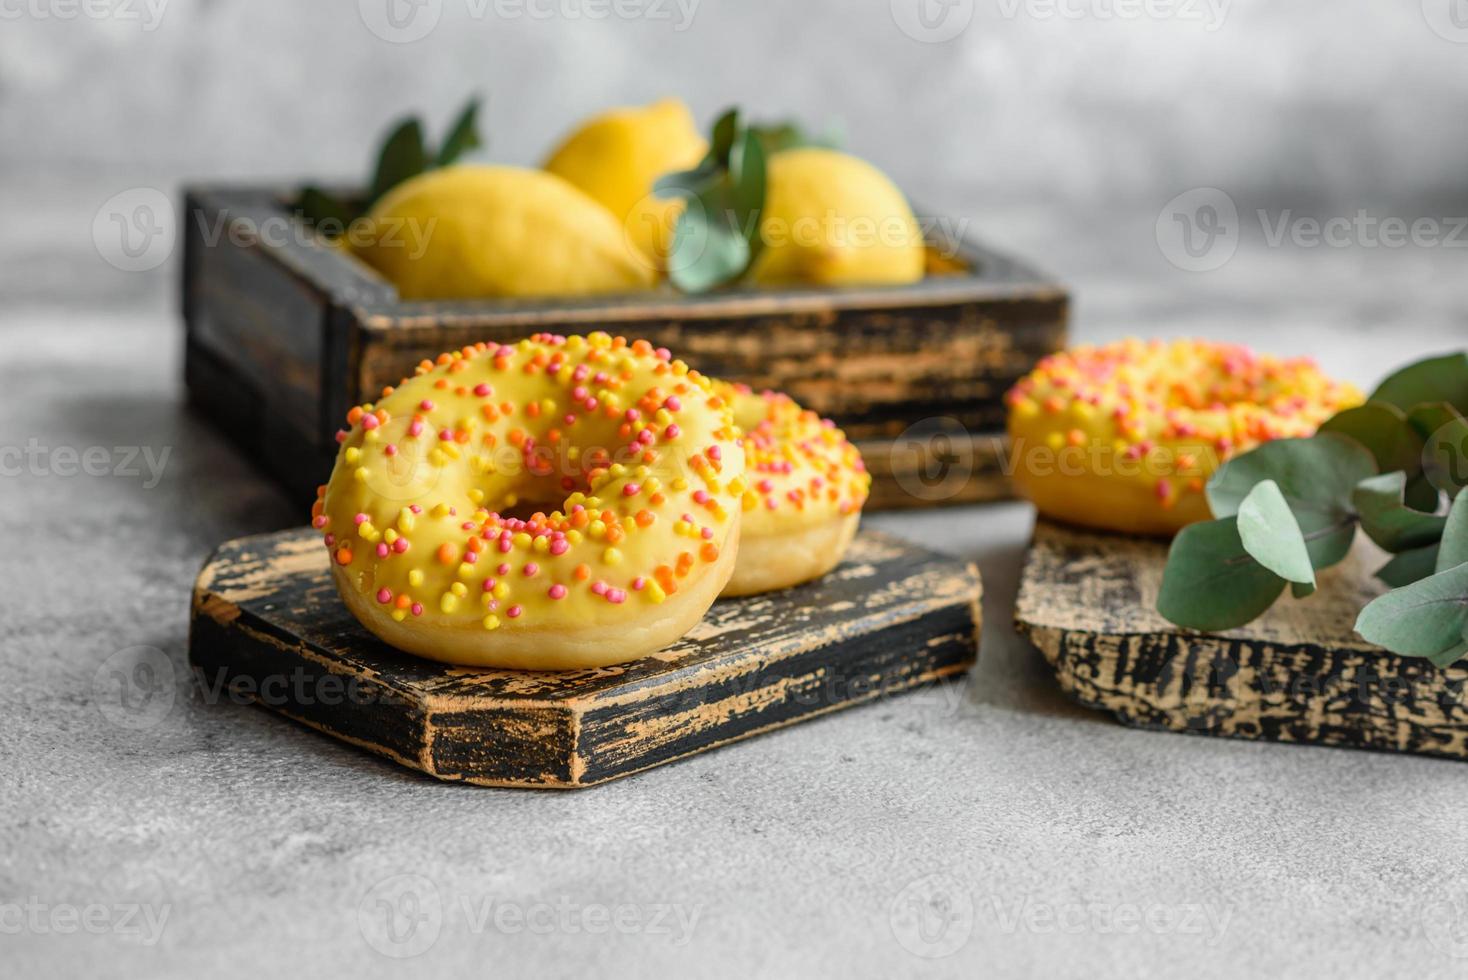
x=447 y=554
x=709 y=552
x=344 y=555
x=581 y=573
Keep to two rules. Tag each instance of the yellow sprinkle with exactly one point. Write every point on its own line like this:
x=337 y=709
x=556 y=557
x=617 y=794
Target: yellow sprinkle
x=597 y=529
x=398 y=615
x=465 y=570
x=352 y=454
x=612 y=556
x=389 y=535
x=477 y=496
x=415 y=578
x=360 y=474
x=405 y=520
x=451 y=449
x=501 y=590
x=491 y=622
x=574 y=536
x=682 y=527
x=654 y=592
x=440 y=510
x=437 y=457
x=522 y=540
x=542 y=544
x=459 y=589
x=448 y=603
x=680 y=483
x=1055 y=440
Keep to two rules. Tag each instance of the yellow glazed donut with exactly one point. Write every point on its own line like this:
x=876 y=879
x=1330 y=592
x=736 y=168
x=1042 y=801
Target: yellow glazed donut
x=1125 y=436
x=805 y=487
x=634 y=457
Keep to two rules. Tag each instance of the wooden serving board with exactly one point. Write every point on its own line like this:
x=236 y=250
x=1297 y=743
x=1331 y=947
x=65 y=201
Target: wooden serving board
x=267 y=625
x=1297 y=674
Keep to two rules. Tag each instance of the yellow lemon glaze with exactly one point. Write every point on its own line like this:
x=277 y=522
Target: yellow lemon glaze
x=634 y=457
x=466 y=232
x=617 y=156
x=1124 y=437
x=805 y=488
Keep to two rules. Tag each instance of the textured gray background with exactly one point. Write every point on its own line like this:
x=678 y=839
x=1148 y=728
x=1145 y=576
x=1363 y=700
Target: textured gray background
x=800 y=852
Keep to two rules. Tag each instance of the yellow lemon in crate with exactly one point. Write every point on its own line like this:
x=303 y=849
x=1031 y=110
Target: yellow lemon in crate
x=833 y=219
x=467 y=232
x=616 y=156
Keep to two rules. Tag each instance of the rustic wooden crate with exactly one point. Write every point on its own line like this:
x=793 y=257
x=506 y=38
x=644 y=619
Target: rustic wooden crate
x=1299 y=673
x=268 y=626
x=284 y=334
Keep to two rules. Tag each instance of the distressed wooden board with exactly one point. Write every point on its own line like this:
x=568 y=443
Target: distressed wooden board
x=1297 y=674
x=267 y=624
x=285 y=334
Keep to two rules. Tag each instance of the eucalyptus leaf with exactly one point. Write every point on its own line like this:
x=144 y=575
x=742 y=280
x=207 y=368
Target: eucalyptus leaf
x=688 y=183
x=1421 y=494
x=1387 y=519
x=789 y=135
x=1383 y=429
x=463 y=135
x=1450 y=656
x=721 y=140
x=1211 y=582
x=1445 y=458
x=1424 y=619
x=1428 y=417
x=1454 y=546
x=1316 y=477
x=1410 y=566
x=1302 y=590
x=1270 y=533
x=322 y=209
x=402 y=157
x=1436 y=379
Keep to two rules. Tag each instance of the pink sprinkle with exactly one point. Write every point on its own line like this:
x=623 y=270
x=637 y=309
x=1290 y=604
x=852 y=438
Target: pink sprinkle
x=700 y=496
x=417 y=609
x=707 y=533
x=514 y=612
x=445 y=435
x=400 y=545
x=569 y=418
x=531 y=569
x=580 y=373
x=559 y=546
x=504 y=351
x=489 y=584
x=370 y=422
x=505 y=545
x=390 y=449
x=632 y=415
x=672 y=431
x=472 y=557
x=631 y=490
x=557 y=591
x=381 y=549
x=715 y=453
x=599 y=587
x=579 y=393
x=416 y=508
x=426 y=405
x=384 y=595
x=319 y=521
x=416 y=428
x=618 y=596
x=503 y=569
x=672 y=404
x=1164 y=489
x=639 y=583
x=645 y=436
x=483 y=390
x=341 y=435
x=330 y=540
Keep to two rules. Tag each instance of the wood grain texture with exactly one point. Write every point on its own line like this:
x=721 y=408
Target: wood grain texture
x=285 y=334
x=1298 y=674
x=267 y=623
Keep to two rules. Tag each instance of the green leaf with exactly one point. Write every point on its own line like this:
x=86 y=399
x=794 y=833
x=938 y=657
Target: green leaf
x=1454 y=547
x=1421 y=494
x=1437 y=379
x=707 y=251
x=1428 y=417
x=1424 y=619
x=1387 y=519
x=1445 y=458
x=321 y=209
x=1302 y=590
x=790 y=135
x=721 y=140
x=1316 y=476
x=402 y=156
x=1383 y=429
x=688 y=183
x=1450 y=656
x=463 y=135
x=1271 y=534
x=1211 y=582
x=1410 y=566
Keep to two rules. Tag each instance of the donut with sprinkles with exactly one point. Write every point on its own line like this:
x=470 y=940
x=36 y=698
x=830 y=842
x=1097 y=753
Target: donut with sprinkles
x=805 y=488
x=559 y=503
x=1123 y=437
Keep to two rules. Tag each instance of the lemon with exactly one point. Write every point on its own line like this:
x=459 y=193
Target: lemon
x=833 y=219
x=616 y=156
x=478 y=231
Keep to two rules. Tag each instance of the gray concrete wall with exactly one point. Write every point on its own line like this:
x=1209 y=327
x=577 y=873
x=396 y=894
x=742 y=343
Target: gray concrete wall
x=1360 y=101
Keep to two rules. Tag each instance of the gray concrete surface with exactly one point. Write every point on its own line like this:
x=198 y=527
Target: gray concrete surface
x=982 y=829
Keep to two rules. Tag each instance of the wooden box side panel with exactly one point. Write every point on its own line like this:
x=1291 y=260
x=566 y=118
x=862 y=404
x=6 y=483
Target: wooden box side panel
x=875 y=371
x=504 y=746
